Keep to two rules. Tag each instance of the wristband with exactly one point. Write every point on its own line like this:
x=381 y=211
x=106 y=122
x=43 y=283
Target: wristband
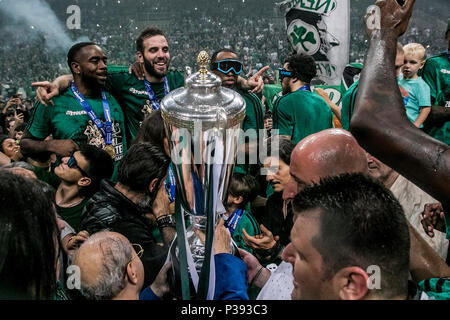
x=166 y=220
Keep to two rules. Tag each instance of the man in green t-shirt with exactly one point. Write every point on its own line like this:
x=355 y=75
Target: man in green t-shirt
x=80 y=176
x=226 y=65
x=436 y=73
x=83 y=113
x=300 y=112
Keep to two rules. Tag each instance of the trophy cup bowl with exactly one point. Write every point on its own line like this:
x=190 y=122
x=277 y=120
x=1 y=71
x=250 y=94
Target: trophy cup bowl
x=202 y=122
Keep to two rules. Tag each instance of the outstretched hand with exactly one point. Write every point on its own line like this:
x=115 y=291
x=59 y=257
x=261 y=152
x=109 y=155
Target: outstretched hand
x=45 y=91
x=137 y=69
x=160 y=285
x=433 y=218
x=264 y=240
x=388 y=16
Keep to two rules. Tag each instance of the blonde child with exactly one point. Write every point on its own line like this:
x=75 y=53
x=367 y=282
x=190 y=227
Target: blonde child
x=417 y=101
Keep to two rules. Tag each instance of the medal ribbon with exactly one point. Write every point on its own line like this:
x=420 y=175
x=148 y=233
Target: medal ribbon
x=233 y=220
x=170 y=186
x=305 y=88
x=106 y=130
x=151 y=93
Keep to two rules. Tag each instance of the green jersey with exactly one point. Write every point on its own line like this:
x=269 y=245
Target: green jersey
x=68 y=120
x=271 y=93
x=73 y=214
x=251 y=226
x=254 y=120
x=301 y=113
x=436 y=73
x=132 y=95
x=348 y=102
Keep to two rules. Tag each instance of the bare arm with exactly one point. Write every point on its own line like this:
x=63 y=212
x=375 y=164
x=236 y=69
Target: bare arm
x=379 y=122
x=438 y=115
x=30 y=145
x=334 y=108
x=425 y=263
x=424 y=112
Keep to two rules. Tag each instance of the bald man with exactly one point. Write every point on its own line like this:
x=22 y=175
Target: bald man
x=111 y=269
x=327 y=153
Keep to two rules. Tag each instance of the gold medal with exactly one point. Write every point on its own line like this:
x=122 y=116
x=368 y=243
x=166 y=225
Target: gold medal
x=110 y=150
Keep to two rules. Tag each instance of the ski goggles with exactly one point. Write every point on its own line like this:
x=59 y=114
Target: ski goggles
x=283 y=73
x=227 y=65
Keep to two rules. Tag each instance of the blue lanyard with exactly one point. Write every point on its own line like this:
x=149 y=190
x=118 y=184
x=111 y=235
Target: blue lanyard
x=305 y=88
x=107 y=130
x=233 y=220
x=151 y=93
x=170 y=187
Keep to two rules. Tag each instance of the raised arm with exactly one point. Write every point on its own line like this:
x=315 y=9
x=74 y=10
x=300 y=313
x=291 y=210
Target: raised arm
x=47 y=90
x=379 y=122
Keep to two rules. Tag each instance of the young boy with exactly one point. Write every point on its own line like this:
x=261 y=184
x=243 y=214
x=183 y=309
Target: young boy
x=417 y=103
x=242 y=190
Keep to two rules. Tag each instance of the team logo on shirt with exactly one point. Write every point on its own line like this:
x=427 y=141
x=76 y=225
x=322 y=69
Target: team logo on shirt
x=95 y=138
x=147 y=108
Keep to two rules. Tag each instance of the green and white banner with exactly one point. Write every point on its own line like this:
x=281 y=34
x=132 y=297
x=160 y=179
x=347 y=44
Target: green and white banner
x=320 y=28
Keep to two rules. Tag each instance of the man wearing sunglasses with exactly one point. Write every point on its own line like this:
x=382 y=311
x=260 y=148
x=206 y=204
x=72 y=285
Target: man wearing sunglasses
x=300 y=112
x=80 y=173
x=226 y=65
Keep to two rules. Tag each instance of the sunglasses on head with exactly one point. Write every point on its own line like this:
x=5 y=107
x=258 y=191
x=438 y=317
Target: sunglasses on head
x=72 y=163
x=227 y=65
x=284 y=73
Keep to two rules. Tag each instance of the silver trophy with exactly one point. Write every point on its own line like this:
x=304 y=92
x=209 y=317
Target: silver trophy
x=203 y=122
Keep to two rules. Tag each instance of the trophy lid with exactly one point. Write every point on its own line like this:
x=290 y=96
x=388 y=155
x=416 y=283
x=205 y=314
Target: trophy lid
x=203 y=99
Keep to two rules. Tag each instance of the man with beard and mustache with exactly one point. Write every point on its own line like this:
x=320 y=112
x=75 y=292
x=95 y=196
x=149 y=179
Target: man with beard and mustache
x=121 y=207
x=82 y=113
x=140 y=94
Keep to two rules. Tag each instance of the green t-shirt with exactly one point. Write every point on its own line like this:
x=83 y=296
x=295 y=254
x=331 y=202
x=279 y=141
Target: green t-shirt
x=132 y=95
x=254 y=120
x=251 y=226
x=68 y=120
x=72 y=215
x=436 y=73
x=348 y=102
x=301 y=113
x=271 y=93
x=418 y=96
x=349 y=99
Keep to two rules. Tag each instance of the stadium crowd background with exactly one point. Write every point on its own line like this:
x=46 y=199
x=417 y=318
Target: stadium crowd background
x=253 y=28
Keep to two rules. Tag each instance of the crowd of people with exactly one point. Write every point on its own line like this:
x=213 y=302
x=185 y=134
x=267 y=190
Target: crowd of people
x=344 y=203
x=205 y=25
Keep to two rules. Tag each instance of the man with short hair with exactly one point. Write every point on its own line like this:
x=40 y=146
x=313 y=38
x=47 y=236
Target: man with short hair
x=83 y=113
x=300 y=112
x=121 y=206
x=343 y=249
x=80 y=174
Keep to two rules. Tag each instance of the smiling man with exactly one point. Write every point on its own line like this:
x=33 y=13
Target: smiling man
x=82 y=113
